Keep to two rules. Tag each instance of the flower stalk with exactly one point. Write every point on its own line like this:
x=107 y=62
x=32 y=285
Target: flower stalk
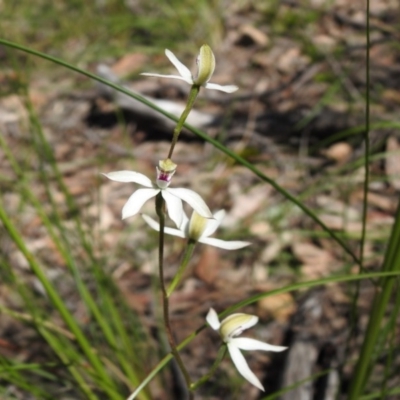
x=186 y=258
x=194 y=91
x=220 y=356
x=160 y=209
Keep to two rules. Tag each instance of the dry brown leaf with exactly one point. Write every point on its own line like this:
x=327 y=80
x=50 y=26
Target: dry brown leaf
x=337 y=222
x=129 y=63
x=316 y=261
x=246 y=204
x=12 y=109
x=254 y=34
x=292 y=60
x=335 y=206
x=339 y=152
x=383 y=202
x=391 y=95
x=279 y=307
x=260 y=229
x=208 y=266
x=324 y=43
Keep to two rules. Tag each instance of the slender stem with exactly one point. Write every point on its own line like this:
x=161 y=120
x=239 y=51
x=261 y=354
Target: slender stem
x=186 y=258
x=194 y=91
x=354 y=304
x=160 y=209
x=389 y=344
x=366 y=139
x=220 y=356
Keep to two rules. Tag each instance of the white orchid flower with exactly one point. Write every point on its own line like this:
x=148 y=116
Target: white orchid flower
x=205 y=69
x=233 y=326
x=173 y=197
x=199 y=229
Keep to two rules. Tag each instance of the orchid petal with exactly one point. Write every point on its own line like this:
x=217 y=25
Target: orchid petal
x=253 y=344
x=226 y=88
x=151 y=222
x=156 y=226
x=205 y=69
x=136 y=201
x=213 y=224
x=224 y=244
x=242 y=366
x=213 y=320
x=193 y=199
x=174 y=206
x=130 y=176
x=185 y=224
x=182 y=69
x=189 y=81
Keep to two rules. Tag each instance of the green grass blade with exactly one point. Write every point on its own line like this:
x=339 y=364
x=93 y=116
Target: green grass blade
x=102 y=318
x=69 y=358
x=93 y=359
x=382 y=297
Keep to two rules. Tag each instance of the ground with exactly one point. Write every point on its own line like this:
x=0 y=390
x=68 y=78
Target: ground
x=299 y=117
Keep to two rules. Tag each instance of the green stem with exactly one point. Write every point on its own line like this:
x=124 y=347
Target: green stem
x=186 y=258
x=194 y=91
x=366 y=140
x=220 y=356
x=354 y=304
x=382 y=297
x=160 y=209
x=388 y=343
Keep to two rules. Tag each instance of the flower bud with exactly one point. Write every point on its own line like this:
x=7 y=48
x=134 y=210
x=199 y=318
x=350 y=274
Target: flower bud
x=205 y=65
x=197 y=226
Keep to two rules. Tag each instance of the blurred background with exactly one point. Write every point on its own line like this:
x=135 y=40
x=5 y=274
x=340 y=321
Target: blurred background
x=299 y=117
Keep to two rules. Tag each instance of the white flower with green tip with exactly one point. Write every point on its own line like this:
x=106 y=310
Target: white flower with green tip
x=173 y=196
x=199 y=229
x=233 y=326
x=205 y=69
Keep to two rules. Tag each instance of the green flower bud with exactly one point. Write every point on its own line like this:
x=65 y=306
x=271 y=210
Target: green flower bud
x=205 y=65
x=197 y=226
